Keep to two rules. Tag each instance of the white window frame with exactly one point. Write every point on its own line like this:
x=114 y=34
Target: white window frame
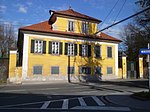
x=58 y=70
x=100 y=51
x=107 y=70
x=38 y=69
x=37 y=46
x=84 y=50
x=111 y=52
x=71 y=49
x=71 y=26
x=69 y=67
x=85 y=69
x=55 y=48
x=85 y=27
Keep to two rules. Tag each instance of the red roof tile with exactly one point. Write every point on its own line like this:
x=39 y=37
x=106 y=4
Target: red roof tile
x=47 y=28
x=71 y=12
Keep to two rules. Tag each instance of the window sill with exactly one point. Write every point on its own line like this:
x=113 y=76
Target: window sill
x=38 y=53
x=55 y=54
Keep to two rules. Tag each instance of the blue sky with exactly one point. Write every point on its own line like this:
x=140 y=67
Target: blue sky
x=27 y=12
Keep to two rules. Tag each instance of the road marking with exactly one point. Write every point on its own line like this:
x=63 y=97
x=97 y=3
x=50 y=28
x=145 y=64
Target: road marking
x=16 y=90
x=65 y=104
x=99 y=102
x=82 y=102
x=45 y=105
x=102 y=108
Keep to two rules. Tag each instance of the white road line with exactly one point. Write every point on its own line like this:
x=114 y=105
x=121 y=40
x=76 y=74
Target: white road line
x=82 y=102
x=45 y=105
x=28 y=90
x=102 y=108
x=65 y=104
x=98 y=101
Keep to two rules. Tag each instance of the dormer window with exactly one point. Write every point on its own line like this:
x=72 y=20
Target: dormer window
x=71 y=26
x=85 y=27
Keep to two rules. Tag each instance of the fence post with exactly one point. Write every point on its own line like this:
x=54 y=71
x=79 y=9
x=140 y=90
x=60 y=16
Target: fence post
x=12 y=65
x=124 y=66
x=141 y=67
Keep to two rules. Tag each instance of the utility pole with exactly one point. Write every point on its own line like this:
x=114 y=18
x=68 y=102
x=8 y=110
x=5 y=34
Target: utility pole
x=149 y=66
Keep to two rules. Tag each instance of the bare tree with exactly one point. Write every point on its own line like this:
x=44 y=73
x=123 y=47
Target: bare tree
x=136 y=34
x=7 y=39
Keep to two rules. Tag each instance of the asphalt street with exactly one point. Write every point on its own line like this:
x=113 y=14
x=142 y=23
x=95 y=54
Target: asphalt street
x=63 y=97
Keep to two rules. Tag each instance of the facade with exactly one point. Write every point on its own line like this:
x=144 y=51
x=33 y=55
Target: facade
x=65 y=46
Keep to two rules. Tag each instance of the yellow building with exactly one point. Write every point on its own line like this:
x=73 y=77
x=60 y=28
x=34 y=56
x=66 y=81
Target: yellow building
x=66 y=46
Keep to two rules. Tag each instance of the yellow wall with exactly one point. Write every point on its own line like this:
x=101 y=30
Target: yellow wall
x=48 y=60
x=12 y=64
x=141 y=67
x=15 y=73
x=61 y=24
x=124 y=67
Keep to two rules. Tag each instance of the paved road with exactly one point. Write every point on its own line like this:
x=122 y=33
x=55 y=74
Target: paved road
x=64 y=96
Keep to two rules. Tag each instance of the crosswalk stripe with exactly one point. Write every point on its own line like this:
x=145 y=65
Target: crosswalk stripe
x=82 y=102
x=98 y=101
x=65 y=104
x=45 y=105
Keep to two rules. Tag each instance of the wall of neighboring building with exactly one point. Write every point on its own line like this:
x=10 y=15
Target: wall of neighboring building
x=47 y=60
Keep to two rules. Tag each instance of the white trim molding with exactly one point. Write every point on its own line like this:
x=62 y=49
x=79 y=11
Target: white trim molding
x=68 y=39
x=13 y=51
x=116 y=59
x=25 y=57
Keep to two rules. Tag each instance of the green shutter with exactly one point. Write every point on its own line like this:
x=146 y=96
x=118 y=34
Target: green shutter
x=76 y=49
x=89 y=50
x=44 y=47
x=50 y=47
x=66 y=48
x=80 y=49
x=60 y=47
x=32 y=46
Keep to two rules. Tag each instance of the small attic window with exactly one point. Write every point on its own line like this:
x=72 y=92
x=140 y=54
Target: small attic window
x=71 y=26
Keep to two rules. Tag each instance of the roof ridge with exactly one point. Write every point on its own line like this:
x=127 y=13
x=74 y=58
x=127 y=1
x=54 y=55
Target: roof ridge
x=72 y=12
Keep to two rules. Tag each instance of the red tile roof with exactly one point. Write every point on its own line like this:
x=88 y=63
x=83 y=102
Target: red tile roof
x=71 y=12
x=47 y=28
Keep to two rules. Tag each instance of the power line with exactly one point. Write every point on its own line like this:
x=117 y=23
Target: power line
x=123 y=20
x=120 y=11
x=110 y=12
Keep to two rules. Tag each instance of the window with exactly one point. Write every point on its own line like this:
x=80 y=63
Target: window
x=84 y=50
x=98 y=70
x=84 y=70
x=109 y=70
x=55 y=70
x=85 y=27
x=97 y=51
x=38 y=46
x=109 y=52
x=70 y=25
x=55 y=48
x=37 y=69
x=70 y=49
x=71 y=70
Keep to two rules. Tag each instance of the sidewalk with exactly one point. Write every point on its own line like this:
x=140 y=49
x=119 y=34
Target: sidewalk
x=142 y=83
x=128 y=101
